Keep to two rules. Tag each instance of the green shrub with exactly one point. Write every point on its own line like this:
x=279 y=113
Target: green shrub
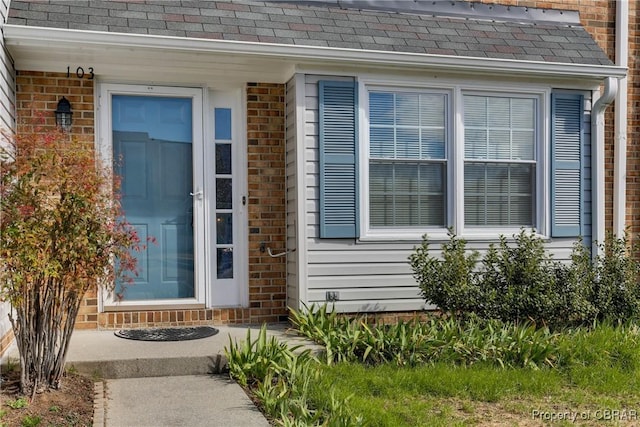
x=616 y=292
x=450 y=282
x=520 y=281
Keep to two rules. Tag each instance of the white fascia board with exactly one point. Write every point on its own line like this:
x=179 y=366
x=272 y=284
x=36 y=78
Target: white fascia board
x=16 y=35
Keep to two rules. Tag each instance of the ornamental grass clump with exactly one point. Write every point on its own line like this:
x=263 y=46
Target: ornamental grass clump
x=61 y=229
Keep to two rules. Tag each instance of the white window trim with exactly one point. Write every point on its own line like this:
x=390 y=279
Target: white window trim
x=455 y=160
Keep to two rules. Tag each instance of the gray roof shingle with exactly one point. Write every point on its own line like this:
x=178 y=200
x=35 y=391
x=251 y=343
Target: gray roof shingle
x=317 y=23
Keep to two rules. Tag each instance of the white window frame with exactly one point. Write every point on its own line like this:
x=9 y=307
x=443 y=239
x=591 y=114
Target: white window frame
x=454 y=191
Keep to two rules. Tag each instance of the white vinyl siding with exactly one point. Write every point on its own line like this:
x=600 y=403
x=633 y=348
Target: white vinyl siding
x=368 y=276
x=7 y=122
x=7 y=78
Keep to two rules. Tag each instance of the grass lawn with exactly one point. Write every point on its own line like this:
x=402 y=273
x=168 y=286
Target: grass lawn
x=446 y=373
x=446 y=395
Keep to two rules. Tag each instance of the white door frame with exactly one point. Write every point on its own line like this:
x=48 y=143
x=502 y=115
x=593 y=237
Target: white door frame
x=228 y=292
x=104 y=149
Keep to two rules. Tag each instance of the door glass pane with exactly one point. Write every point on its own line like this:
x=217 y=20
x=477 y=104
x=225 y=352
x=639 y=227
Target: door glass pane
x=223 y=193
x=222 y=117
x=152 y=146
x=224 y=228
x=225 y=263
x=223 y=159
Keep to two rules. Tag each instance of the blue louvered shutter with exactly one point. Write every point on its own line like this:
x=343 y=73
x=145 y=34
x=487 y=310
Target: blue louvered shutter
x=338 y=124
x=567 y=135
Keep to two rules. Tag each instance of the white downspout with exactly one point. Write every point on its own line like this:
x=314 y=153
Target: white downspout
x=620 y=127
x=597 y=160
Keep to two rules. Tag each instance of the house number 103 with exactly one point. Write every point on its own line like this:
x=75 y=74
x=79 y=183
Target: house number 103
x=80 y=73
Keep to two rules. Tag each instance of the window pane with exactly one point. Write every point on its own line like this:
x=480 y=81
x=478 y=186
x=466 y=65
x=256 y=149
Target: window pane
x=475 y=111
x=523 y=113
x=499 y=144
x=475 y=143
x=433 y=144
x=381 y=109
x=499 y=194
x=407 y=109
x=523 y=144
x=406 y=211
x=406 y=195
x=434 y=213
x=380 y=178
x=381 y=209
x=408 y=144
x=432 y=110
x=506 y=127
x=222 y=122
x=498 y=112
x=381 y=142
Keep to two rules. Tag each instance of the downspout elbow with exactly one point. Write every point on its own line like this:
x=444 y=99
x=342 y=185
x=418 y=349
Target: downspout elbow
x=610 y=90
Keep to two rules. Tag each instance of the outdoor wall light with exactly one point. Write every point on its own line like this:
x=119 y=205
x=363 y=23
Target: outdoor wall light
x=63 y=114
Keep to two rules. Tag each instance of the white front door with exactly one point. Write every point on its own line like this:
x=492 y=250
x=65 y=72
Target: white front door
x=181 y=157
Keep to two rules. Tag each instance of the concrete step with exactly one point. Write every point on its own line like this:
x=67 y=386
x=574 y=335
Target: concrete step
x=101 y=354
x=150 y=367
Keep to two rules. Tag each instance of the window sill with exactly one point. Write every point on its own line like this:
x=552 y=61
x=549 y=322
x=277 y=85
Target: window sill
x=442 y=235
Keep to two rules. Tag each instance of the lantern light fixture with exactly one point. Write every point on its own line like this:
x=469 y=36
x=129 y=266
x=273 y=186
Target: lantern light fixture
x=63 y=114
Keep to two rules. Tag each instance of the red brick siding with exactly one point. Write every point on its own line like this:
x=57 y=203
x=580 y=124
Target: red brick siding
x=266 y=163
x=37 y=96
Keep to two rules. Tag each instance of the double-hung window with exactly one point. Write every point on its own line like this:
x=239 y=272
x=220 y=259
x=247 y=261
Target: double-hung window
x=407 y=159
x=499 y=161
x=418 y=164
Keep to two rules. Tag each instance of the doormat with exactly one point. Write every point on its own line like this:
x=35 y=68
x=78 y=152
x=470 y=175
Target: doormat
x=167 y=334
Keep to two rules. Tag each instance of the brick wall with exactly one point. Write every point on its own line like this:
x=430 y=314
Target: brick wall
x=37 y=96
x=266 y=163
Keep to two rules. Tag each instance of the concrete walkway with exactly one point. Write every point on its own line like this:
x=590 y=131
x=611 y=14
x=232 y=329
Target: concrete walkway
x=166 y=384
x=194 y=400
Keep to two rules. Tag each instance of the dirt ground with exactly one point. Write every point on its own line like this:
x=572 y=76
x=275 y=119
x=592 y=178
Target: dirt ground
x=71 y=405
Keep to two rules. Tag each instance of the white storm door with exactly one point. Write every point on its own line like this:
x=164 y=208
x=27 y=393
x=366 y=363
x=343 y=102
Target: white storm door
x=156 y=142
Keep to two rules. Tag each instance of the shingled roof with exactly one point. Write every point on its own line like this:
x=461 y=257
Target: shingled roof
x=322 y=23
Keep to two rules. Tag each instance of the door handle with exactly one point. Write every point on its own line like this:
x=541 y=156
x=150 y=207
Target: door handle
x=197 y=194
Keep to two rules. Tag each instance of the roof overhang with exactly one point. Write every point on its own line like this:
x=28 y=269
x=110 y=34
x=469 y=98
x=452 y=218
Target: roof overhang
x=33 y=47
